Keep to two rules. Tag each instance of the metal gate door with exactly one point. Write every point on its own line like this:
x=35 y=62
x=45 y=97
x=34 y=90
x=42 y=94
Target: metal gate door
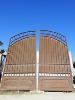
x=48 y=69
x=54 y=64
x=19 y=71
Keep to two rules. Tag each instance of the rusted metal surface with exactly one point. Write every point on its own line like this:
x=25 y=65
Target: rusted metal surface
x=19 y=71
x=54 y=65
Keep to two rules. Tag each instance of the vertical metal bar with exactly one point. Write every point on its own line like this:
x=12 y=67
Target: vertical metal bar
x=49 y=55
x=32 y=57
x=14 y=57
x=60 y=57
x=27 y=54
x=46 y=45
x=30 y=49
x=28 y=39
x=63 y=57
x=55 y=52
x=25 y=72
x=40 y=53
x=22 y=50
x=53 y=55
x=44 y=56
x=57 y=56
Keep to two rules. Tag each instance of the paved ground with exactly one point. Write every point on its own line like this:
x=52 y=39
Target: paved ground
x=39 y=96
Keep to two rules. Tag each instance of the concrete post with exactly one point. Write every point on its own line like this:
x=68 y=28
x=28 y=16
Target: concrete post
x=72 y=69
x=71 y=61
x=37 y=70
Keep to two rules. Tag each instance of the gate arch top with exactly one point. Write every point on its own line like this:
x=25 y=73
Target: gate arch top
x=21 y=36
x=57 y=36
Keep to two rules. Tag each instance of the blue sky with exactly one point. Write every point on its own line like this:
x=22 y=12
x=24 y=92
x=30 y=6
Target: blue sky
x=23 y=15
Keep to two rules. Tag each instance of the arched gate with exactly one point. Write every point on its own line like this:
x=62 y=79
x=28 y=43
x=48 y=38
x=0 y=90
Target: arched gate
x=52 y=71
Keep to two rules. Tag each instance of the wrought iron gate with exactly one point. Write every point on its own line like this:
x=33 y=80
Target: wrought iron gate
x=19 y=71
x=49 y=70
x=54 y=64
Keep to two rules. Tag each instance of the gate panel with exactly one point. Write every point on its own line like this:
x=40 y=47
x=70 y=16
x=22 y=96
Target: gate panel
x=54 y=64
x=19 y=71
x=49 y=69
